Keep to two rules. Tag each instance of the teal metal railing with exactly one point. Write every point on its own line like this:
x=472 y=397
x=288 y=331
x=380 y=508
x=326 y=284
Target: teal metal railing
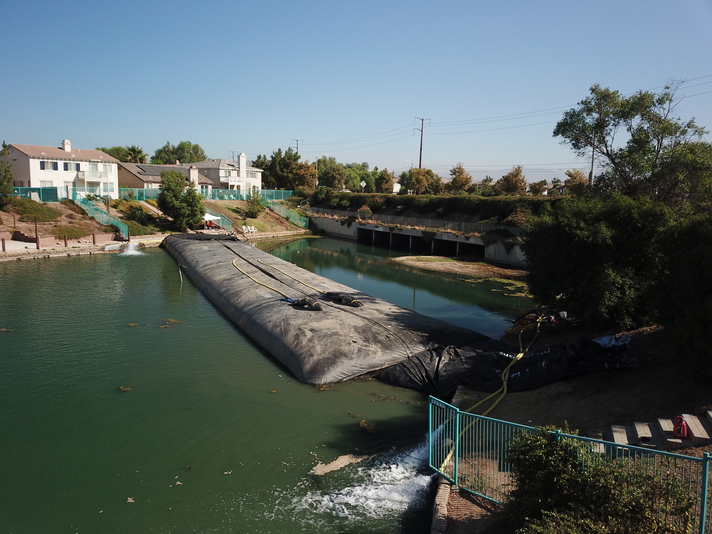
x=238 y=194
x=224 y=222
x=472 y=451
x=43 y=194
x=141 y=195
x=99 y=214
x=288 y=214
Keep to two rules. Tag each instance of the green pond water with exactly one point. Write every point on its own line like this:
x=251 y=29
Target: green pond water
x=214 y=436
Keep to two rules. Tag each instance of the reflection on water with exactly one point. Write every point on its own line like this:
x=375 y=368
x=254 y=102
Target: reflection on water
x=487 y=307
x=214 y=435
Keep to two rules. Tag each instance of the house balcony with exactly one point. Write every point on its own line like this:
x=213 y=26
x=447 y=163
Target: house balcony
x=92 y=176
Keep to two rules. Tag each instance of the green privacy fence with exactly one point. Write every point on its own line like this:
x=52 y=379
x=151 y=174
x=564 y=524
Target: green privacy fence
x=238 y=194
x=128 y=193
x=141 y=195
x=288 y=214
x=41 y=194
x=472 y=452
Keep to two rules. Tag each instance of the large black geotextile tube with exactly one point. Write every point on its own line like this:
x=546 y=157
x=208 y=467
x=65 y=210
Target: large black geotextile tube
x=339 y=342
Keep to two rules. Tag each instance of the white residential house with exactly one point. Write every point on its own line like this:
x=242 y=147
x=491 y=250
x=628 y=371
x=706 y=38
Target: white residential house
x=148 y=176
x=89 y=171
x=225 y=174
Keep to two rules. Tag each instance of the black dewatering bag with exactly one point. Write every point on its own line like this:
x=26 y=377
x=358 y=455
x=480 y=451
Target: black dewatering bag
x=343 y=333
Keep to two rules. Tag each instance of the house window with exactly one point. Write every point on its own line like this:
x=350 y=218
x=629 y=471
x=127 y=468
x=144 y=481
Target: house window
x=49 y=166
x=93 y=167
x=225 y=173
x=46 y=183
x=107 y=168
x=251 y=174
x=71 y=166
x=108 y=187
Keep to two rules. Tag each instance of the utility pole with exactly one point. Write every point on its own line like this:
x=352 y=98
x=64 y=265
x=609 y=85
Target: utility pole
x=422 y=127
x=232 y=154
x=297 y=141
x=590 y=174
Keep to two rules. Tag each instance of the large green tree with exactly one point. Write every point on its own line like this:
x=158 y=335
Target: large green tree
x=184 y=152
x=305 y=176
x=384 y=182
x=280 y=170
x=118 y=152
x=180 y=201
x=641 y=146
x=601 y=259
x=6 y=178
x=332 y=174
x=460 y=179
x=576 y=182
x=135 y=154
x=512 y=183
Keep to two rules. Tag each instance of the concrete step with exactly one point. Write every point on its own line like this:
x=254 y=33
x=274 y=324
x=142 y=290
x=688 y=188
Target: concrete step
x=648 y=435
x=697 y=428
x=623 y=435
x=670 y=441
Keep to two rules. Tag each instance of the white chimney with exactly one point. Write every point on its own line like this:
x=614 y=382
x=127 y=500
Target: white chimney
x=194 y=177
x=242 y=159
x=66 y=145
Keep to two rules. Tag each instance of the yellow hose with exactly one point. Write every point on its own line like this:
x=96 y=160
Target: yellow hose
x=257 y=281
x=502 y=392
x=292 y=277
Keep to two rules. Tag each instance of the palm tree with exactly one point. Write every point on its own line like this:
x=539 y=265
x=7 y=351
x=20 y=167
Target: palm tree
x=135 y=154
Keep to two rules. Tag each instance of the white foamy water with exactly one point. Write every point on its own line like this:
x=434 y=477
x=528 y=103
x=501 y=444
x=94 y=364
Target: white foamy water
x=387 y=487
x=132 y=249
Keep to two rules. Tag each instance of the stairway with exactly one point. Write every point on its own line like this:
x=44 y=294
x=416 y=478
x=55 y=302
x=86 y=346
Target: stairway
x=659 y=435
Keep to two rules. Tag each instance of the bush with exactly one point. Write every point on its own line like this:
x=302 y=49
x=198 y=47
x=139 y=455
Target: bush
x=136 y=228
x=600 y=259
x=71 y=232
x=76 y=208
x=562 y=486
x=685 y=298
x=31 y=211
x=255 y=205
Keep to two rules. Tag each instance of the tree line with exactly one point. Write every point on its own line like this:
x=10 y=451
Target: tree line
x=168 y=154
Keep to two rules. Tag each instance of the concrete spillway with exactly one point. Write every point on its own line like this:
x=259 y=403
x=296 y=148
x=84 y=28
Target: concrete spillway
x=337 y=342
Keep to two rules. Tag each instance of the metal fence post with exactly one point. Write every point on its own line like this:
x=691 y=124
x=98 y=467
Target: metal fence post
x=456 y=474
x=706 y=457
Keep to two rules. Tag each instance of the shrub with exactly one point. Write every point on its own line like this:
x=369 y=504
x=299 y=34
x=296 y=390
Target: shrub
x=31 y=211
x=562 y=486
x=71 y=232
x=685 y=299
x=255 y=205
x=600 y=259
x=136 y=228
x=76 y=208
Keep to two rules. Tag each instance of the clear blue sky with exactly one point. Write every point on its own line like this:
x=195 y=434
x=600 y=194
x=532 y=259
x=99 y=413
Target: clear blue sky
x=345 y=79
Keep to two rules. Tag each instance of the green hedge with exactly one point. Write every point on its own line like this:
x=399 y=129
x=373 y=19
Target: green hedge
x=492 y=209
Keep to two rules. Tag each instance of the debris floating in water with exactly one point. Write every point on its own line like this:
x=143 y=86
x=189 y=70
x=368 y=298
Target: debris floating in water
x=124 y=388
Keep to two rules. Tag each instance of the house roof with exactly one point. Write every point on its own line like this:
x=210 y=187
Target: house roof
x=151 y=173
x=53 y=152
x=222 y=164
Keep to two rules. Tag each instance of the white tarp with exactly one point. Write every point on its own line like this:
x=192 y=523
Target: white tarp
x=208 y=217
